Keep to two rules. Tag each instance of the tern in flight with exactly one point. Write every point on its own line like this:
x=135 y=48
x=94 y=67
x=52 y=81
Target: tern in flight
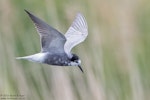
x=56 y=47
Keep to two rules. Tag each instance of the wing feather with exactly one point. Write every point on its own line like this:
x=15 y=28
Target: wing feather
x=51 y=40
x=76 y=34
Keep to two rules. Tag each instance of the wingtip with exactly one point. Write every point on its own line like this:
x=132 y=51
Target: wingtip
x=79 y=13
x=27 y=12
x=33 y=17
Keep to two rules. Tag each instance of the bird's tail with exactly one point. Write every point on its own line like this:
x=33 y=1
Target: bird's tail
x=39 y=57
x=26 y=57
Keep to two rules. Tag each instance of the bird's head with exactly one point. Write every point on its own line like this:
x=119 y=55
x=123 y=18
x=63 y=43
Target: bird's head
x=75 y=61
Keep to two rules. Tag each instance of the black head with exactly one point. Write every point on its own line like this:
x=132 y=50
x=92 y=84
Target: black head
x=76 y=60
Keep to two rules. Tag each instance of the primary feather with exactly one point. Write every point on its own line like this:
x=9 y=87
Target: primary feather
x=76 y=34
x=51 y=40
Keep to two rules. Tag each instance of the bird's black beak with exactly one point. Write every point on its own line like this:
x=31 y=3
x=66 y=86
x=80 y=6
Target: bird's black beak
x=80 y=68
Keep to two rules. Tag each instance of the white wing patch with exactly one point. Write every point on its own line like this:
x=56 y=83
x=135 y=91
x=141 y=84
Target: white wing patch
x=76 y=34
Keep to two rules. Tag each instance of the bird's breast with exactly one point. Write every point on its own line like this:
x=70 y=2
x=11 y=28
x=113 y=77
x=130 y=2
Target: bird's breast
x=57 y=59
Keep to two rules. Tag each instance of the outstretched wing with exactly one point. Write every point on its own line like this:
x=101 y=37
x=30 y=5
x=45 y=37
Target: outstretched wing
x=76 y=33
x=51 y=40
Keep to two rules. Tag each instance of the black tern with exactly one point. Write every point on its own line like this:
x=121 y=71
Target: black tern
x=56 y=47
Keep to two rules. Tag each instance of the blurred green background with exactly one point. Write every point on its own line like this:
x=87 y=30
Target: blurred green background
x=115 y=56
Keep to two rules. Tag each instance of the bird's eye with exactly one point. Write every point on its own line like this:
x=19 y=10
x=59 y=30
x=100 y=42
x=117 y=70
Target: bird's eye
x=73 y=58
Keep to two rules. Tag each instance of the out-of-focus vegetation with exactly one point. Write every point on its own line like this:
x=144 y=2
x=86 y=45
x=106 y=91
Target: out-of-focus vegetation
x=115 y=56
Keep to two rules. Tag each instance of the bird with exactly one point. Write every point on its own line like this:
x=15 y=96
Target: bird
x=56 y=47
